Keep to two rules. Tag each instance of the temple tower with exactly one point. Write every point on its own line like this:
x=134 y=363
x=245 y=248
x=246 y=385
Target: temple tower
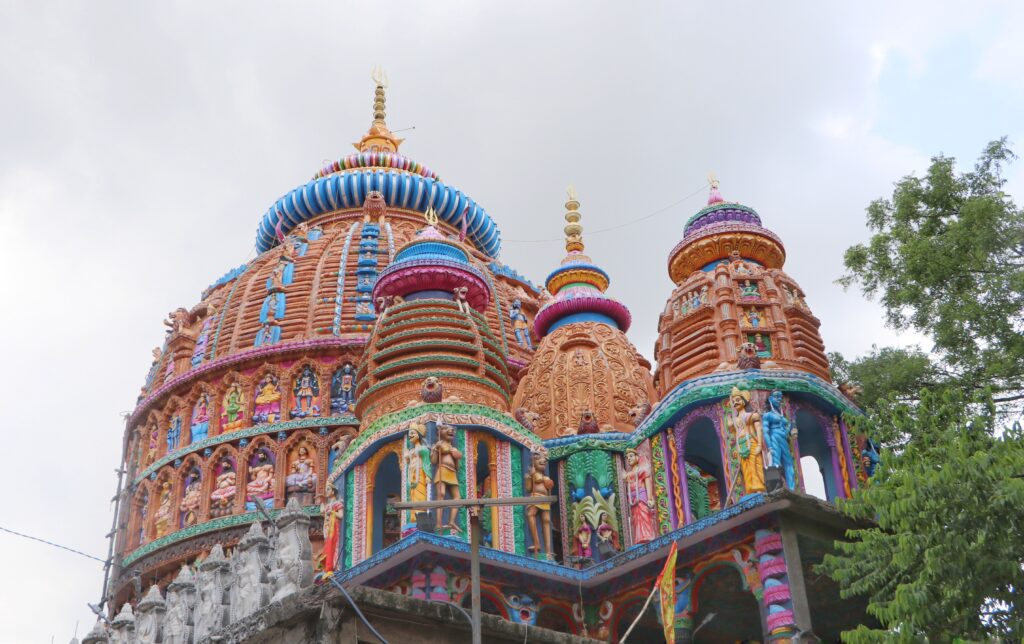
x=586 y=375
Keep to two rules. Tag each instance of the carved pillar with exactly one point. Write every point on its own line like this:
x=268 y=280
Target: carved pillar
x=725 y=298
x=149 y=623
x=776 y=601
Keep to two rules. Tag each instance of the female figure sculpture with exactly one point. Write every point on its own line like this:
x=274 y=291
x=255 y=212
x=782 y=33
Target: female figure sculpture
x=163 y=511
x=343 y=386
x=233 y=414
x=583 y=534
x=302 y=477
x=605 y=531
x=417 y=463
x=268 y=401
x=746 y=425
x=640 y=497
x=445 y=457
x=191 y=500
x=200 y=425
x=539 y=484
x=777 y=433
x=334 y=521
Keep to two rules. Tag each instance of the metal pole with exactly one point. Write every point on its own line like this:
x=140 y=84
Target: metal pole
x=474 y=570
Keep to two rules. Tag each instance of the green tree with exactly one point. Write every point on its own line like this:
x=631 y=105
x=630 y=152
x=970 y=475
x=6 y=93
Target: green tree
x=944 y=556
x=947 y=258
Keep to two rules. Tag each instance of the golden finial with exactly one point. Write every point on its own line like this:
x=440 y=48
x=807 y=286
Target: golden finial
x=381 y=79
x=430 y=216
x=573 y=229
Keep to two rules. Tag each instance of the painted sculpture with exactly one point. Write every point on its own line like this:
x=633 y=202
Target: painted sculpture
x=520 y=324
x=301 y=479
x=777 y=434
x=417 y=457
x=445 y=458
x=538 y=483
x=260 y=488
x=305 y=394
x=746 y=425
x=192 y=498
x=640 y=497
x=225 y=486
x=343 y=386
x=268 y=401
x=200 y=425
x=232 y=414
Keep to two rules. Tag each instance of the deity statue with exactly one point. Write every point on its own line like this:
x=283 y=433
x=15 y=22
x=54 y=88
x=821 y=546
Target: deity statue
x=181 y=598
x=749 y=291
x=640 y=497
x=703 y=298
x=446 y=457
x=199 y=428
x=582 y=540
x=606 y=532
x=163 y=511
x=302 y=475
x=417 y=464
x=343 y=388
x=538 y=483
x=460 y=299
x=232 y=414
x=268 y=401
x=777 y=433
x=520 y=324
x=334 y=522
x=761 y=345
x=305 y=393
x=173 y=434
x=746 y=425
x=261 y=481
x=224 y=488
x=745 y=317
x=191 y=500
x=177 y=321
x=755 y=318
x=250 y=590
x=303 y=471
x=154 y=445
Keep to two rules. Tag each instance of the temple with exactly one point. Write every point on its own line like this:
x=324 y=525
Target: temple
x=378 y=350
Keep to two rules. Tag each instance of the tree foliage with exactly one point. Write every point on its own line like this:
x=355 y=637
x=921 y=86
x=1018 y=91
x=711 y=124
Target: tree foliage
x=944 y=558
x=947 y=258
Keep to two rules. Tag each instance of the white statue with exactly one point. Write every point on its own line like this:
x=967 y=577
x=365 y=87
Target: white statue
x=250 y=590
x=148 y=624
x=122 y=627
x=211 y=612
x=181 y=599
x=292 y=567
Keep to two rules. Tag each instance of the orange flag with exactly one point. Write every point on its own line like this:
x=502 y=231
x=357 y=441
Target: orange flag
x=667 y=595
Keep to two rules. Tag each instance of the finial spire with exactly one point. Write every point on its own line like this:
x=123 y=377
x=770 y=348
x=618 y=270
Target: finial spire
x=714 y=196
x=381 y=79
x=573 y=229
x=379 y=138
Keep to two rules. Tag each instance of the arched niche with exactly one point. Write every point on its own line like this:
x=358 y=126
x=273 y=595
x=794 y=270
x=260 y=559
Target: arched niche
x=723 y=609
x=812 y=441
x=702 y=450
x=191 y=493
x=387 y=486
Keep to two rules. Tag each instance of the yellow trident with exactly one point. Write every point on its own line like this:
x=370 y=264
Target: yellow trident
x=430 y=216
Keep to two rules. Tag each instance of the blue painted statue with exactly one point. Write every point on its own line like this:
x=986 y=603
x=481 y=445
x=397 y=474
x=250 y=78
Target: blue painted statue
x=173 y=434
x=343 y=389
x=520 y=324
x=777 y=430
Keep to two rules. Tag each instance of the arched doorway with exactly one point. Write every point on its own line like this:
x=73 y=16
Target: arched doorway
x=725 y=611
x=811 y=442
x=702 y=451
x=387 y=486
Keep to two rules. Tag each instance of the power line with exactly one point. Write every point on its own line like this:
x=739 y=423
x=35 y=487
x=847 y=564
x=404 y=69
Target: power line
x=55 y=545
x=617 y=226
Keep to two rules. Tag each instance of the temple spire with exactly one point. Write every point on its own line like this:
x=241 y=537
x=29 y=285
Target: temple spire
x=379 y=138
x=573 y=229
x=381 y=79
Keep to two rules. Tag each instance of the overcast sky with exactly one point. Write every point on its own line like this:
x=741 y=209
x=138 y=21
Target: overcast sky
x=142 y=142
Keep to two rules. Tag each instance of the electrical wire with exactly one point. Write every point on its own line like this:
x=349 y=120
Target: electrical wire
x=358 y=612
x=55 y=545
x=598 y=231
